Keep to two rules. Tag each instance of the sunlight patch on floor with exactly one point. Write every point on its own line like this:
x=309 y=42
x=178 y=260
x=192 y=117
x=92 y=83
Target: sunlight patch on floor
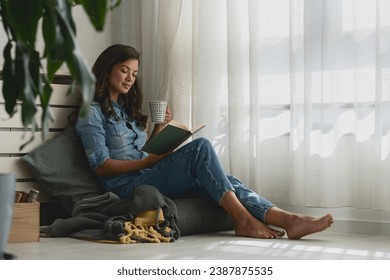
x=255 y=243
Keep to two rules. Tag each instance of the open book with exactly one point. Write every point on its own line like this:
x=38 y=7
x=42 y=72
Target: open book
x=169 y=138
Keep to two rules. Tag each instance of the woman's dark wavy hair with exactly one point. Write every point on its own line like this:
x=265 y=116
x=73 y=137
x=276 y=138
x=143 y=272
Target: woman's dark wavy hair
x=102 y=68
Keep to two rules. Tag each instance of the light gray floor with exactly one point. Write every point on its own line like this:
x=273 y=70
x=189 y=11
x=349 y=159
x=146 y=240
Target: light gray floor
x=327 y=245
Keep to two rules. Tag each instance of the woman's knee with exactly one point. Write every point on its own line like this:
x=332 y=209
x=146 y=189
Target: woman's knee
x=203 y=145
x=202 y=142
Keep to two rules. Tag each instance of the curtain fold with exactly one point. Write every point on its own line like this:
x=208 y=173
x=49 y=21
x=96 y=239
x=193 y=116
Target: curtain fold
x=294 y=94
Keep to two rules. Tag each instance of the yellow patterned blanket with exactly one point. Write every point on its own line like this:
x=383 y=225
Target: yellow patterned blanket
x=148 y=226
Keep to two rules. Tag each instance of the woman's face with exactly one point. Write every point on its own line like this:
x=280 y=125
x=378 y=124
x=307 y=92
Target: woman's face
x=122 y=78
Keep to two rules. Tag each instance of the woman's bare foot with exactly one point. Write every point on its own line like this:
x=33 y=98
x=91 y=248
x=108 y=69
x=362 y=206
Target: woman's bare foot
x=246 y=224
x=300 y=226
x=254 y=228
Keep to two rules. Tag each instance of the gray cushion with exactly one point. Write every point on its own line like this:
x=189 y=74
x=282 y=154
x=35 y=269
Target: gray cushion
x=201 y=216
x=61 y=168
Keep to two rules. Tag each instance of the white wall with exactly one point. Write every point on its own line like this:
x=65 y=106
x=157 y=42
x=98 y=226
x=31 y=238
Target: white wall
x=91 y=42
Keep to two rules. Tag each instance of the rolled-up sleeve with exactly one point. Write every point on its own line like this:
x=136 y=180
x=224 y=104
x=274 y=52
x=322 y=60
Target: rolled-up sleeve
x=91 y=131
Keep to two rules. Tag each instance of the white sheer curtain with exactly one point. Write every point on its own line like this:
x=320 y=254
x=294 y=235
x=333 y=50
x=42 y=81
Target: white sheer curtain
x=295 y=94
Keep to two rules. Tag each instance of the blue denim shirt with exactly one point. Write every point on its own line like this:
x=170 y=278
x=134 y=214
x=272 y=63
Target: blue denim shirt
x=103 y=137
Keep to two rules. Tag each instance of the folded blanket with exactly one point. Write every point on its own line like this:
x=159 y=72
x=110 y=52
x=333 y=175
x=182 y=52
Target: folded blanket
x=146 y=216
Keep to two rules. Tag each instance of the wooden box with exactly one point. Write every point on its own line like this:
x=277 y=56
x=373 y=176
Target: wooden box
x=25 y=223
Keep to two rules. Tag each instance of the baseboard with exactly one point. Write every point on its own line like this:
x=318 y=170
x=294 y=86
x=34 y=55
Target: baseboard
x=362 y=227
x=350 y=220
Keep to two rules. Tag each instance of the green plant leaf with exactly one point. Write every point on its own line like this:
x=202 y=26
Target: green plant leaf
x=96 y=11
x=75 y=60
x=114 y=4
x=84 y=77
x=46 y=112
x=46 y=94
x=23 y=17
x=24 y=64
x=54 y=41
x=10 y=88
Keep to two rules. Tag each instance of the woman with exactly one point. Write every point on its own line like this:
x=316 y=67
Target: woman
x=114 y=132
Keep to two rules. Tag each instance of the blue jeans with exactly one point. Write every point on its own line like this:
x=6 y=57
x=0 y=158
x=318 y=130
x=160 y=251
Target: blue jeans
x=194 y=170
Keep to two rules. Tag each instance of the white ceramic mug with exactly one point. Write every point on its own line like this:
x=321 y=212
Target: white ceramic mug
x=7 y=200
x=158 y=109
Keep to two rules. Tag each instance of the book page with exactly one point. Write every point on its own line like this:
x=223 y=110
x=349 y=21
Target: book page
x=178 y=124
x=183 y=126
x=197 y=128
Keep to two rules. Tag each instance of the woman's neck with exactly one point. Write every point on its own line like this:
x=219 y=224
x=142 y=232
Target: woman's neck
x=114 y=97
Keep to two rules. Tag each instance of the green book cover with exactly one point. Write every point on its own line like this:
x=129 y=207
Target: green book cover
x=169 y=138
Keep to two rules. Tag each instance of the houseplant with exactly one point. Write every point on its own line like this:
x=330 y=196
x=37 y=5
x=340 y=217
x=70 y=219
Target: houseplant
x=25 y=78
